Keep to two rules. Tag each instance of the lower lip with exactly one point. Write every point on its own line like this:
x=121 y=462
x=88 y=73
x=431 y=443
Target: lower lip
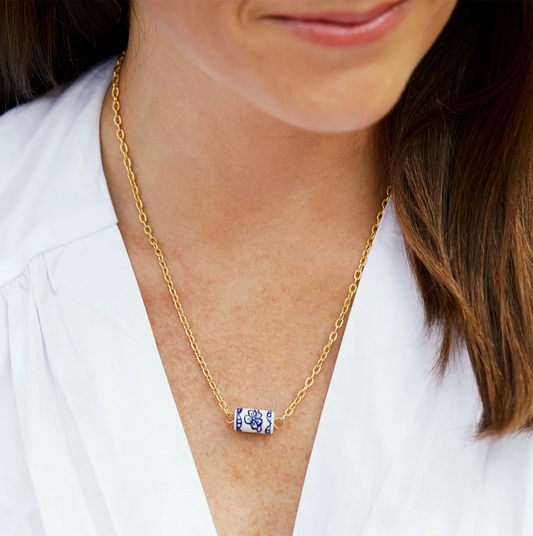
x=345 y=35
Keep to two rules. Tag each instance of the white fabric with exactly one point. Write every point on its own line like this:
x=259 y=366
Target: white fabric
x=91 y=442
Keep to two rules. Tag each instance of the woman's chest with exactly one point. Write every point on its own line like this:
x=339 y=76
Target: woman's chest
x=252 y=482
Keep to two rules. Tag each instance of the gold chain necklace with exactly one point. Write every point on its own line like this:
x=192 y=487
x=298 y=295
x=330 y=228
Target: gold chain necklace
x=243 y=419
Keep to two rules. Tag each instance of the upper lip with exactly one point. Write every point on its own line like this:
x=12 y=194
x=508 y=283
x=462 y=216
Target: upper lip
x=339 y=17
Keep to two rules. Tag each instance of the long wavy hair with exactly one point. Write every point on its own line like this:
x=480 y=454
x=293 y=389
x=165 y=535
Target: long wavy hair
x=456 y=149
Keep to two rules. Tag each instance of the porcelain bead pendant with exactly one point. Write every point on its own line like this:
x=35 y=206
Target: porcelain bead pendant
x=254 y=421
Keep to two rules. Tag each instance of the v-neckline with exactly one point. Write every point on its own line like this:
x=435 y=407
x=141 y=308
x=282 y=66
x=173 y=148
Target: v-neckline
x=346 y=345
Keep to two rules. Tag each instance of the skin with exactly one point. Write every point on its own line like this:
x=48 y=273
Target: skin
x=252 y=151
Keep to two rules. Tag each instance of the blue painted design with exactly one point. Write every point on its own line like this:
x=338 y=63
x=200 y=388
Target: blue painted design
x=254 y=420
x=268 y=429
x=238 y=420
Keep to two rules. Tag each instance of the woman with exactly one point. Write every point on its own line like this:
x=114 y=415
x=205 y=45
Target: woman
x=269 y=149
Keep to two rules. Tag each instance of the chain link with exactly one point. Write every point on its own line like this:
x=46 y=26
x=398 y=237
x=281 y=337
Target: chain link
x=229 y=416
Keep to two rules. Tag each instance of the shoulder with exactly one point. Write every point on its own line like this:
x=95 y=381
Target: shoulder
x=50 y=168
x=49 y=117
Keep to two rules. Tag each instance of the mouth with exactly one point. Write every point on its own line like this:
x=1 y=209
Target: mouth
x=343 y=28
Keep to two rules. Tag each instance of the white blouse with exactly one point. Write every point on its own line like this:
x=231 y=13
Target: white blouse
x=91 y=442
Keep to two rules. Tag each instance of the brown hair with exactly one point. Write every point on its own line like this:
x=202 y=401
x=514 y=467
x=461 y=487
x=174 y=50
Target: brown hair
x=456 y=148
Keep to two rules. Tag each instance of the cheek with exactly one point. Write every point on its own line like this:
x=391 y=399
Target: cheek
x=426 y=23
x=207 y=31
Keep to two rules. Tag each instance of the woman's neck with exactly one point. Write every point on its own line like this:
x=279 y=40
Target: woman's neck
x=217 y=171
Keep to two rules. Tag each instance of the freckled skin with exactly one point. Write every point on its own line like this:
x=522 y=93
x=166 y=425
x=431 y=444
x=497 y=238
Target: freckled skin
x=242 y=473
x=263 y=260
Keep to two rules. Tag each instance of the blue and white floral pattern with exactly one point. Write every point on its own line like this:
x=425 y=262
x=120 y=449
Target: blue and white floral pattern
x=258 y=421
x=254 y=420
